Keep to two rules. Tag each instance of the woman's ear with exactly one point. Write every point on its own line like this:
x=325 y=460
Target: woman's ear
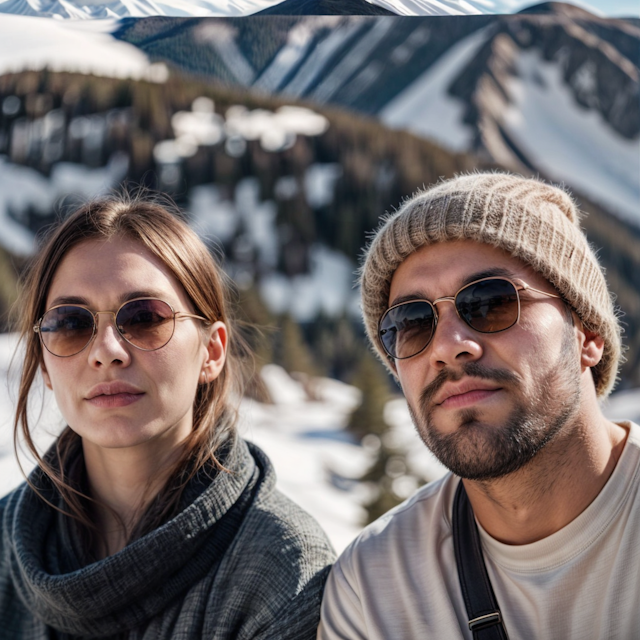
x=216 y=351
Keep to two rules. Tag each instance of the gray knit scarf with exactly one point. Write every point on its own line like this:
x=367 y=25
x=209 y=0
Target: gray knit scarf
x=135 y=585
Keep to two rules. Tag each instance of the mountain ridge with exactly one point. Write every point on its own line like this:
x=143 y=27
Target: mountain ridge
x=325 y=7
x=375 y=66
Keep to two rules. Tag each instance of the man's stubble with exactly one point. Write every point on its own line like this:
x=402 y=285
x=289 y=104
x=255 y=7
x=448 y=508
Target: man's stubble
x=479 y=451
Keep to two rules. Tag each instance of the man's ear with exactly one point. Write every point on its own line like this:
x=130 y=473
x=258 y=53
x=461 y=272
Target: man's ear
x=45 y=376
x=216 y=351
x=591 y=346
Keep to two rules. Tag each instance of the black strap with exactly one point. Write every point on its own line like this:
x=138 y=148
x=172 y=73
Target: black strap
x=485 y=619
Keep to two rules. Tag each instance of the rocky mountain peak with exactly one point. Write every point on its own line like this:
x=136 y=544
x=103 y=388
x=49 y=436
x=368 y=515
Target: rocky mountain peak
x=558 y=8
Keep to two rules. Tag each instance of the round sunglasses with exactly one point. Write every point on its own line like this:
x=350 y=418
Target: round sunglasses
x=488 y=305
x=145 y=323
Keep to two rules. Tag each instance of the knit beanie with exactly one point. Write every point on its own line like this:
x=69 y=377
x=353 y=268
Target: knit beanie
x=533 y=221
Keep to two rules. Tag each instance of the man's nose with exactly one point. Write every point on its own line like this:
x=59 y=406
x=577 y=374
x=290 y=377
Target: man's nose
x=453 y=342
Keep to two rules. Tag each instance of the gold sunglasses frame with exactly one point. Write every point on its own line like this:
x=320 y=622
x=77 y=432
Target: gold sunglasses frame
x=519 y=285
x=95 y=314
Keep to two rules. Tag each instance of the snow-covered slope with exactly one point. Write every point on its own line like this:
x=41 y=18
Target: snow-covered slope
x=569 y=142
x=426 y=108
x=133 y=8
x=85 y=47
x=529 y=117
x=554 y=91
x=549 y=94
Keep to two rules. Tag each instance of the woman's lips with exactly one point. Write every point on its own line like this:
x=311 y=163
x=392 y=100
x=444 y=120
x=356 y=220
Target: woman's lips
x=466 y=399
x=114 y=400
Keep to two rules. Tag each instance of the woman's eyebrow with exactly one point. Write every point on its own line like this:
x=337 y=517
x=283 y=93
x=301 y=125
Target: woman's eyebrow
x=69 y=300
x=125 y=297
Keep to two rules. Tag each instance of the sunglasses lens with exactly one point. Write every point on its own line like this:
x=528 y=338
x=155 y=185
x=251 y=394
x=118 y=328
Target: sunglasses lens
x=407 y=329
x=66 y=330
x=146 y=324
x=489 y=305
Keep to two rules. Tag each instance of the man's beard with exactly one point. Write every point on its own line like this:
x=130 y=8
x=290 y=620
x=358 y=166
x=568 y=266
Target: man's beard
x=478 y=451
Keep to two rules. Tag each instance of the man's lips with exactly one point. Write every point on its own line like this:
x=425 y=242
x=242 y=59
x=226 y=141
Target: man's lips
x=465 y=399
x=113 y=394
x=465 y=392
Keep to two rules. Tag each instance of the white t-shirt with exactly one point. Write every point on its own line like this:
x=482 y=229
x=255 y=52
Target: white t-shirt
x=398 y=580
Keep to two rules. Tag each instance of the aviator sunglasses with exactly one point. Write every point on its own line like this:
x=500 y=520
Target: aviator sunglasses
x=145 y=323
x=488 y=305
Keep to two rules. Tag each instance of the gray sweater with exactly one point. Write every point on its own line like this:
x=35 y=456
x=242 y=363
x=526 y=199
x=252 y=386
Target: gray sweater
x=239 y=561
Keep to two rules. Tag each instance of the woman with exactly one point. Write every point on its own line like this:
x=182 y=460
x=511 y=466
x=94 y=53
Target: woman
x=149 y=517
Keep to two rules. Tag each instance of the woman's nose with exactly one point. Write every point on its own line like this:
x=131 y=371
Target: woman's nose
x=108 y=346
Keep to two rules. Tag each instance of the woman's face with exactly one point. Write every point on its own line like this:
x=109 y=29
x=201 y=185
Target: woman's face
x=113 y=394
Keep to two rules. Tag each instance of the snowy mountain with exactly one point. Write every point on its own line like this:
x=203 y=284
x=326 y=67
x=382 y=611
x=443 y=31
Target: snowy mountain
x=554 y=89
x=540 y=90
x=288 y=194
x=558 y=94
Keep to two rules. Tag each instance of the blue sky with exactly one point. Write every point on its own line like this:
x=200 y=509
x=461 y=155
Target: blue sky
x=610 y=8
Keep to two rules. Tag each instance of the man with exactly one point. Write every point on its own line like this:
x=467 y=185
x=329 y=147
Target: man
x=484 y=299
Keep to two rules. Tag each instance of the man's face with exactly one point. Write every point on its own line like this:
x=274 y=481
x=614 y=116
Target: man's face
x=485 y=404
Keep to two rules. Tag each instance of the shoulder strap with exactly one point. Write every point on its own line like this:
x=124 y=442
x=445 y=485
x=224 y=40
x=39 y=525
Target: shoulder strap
x=485 y=619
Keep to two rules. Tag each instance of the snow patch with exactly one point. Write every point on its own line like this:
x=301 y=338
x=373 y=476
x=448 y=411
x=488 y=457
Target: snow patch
x=319 y=183
x=212 y=215
x=314 y=65
x=425 y=107
x=570 y=143
x=326 y=289
x=433 y=7
x=23 y=189
x=36 y=43
x=259 y=220
x=277 y=130
x=404 y=436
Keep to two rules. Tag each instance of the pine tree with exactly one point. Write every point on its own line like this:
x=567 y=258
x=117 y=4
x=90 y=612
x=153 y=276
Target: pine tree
x=372 y=380
x=292 y=351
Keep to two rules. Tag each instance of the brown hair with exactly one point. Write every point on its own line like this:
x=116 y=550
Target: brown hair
x=157 y=224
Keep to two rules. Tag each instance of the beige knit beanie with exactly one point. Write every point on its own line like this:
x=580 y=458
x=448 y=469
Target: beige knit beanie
x=531 y=220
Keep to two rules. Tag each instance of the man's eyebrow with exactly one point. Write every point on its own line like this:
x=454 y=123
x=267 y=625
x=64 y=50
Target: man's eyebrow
x=493 y=272
x=407 y=298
